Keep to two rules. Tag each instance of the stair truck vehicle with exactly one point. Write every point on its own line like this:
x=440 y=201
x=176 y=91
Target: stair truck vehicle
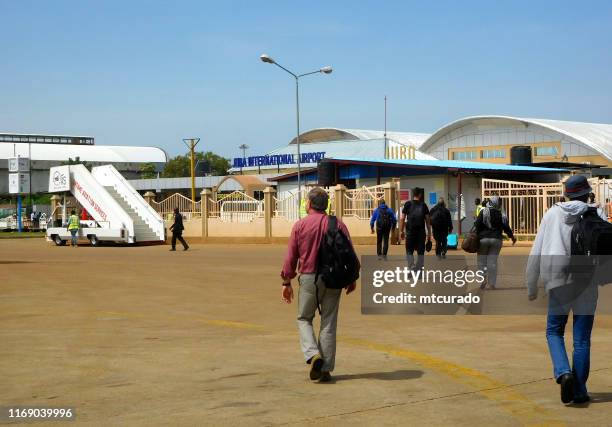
x=119 y=213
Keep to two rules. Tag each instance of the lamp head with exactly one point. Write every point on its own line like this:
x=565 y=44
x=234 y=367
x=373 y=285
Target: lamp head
x=266 y=58
x=326 y=70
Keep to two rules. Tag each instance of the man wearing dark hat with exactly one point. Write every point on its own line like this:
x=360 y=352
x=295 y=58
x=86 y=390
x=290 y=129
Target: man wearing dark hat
x=550 y=261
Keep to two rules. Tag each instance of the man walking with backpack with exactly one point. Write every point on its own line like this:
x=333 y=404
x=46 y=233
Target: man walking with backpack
x=415 y=218
x=442 y=225
x=570 y=233
x=385 y=221
x=321 y=250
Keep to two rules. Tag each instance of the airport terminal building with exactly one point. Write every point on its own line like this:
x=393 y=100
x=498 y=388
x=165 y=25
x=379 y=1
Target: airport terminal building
x=46 y=151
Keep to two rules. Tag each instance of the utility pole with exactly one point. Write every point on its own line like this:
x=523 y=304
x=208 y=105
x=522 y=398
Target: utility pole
x=385 y=155
x=243 y=147
x=191 y=144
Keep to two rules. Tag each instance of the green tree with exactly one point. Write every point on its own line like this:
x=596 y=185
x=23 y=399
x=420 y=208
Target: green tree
x=148 y=171
x=179 y=166
x=77 y=161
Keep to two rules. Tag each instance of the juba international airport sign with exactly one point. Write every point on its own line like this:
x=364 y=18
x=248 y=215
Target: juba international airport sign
x=277 y=159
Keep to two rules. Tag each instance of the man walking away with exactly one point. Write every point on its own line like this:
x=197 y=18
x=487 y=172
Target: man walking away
x=73 y=228
x=552 y=259
x=385 y=221
x=442 y=226
x=308 y=236
x=177 y=230
x=415 y=217
x=490 y=225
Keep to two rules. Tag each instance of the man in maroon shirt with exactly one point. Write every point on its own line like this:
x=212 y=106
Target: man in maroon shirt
x=304 y=243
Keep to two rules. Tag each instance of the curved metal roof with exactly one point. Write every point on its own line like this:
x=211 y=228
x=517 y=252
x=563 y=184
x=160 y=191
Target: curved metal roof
x=337 y=134
x=89 y=153
x=597 y=136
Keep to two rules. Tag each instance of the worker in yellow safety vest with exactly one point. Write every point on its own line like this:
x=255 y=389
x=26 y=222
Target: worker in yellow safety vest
x=73 y=227
x=478 y=207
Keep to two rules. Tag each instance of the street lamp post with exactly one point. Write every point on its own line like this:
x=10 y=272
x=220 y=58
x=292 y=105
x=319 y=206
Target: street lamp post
x=191 y=144
x=243 y=147
x=325 y=70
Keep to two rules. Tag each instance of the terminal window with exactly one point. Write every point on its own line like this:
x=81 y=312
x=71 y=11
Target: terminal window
x=493 y=154
x=546 y=151
x=464 y=155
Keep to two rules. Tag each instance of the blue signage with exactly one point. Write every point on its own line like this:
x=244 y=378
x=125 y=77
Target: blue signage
x=277 y=159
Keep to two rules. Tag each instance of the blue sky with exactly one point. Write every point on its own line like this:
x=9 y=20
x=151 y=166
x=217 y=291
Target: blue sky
x=153 y=72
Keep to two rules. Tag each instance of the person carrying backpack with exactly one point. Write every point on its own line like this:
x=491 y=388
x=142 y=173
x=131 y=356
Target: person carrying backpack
x=570 y=233
x=321 y=250
x=415 y=218
x=386 y=221
x=490 y=225
x=442 y=225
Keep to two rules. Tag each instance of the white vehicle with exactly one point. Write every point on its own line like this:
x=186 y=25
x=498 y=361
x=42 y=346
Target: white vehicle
x=119 y=213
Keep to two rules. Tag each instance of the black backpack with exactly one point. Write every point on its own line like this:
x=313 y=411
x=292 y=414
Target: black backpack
x=591 y=235
x=415 y=217
x=337 y=262
x=438 y=219
x=383 y=221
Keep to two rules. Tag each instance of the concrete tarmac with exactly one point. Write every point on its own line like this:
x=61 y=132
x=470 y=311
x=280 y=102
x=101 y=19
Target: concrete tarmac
x=143 y=336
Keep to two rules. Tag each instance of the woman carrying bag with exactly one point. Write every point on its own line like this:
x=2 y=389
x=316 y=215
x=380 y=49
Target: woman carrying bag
x=490 y=224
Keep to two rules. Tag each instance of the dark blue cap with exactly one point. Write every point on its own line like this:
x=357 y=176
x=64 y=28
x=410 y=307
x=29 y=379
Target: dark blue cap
x=577 y=186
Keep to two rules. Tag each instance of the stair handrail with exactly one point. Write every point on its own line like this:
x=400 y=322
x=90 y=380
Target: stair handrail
x=130 y=189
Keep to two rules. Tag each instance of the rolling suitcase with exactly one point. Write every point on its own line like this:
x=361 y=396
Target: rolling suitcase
x=451 y=241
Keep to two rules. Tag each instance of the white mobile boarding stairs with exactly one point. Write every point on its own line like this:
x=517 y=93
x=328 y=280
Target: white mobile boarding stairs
x=121 y=214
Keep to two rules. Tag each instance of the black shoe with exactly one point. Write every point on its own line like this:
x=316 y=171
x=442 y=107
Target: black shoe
x=172 y=249
x=185 y=248
x=567 y=387
x=582 y=399
x=325 y=377
x=316 y=363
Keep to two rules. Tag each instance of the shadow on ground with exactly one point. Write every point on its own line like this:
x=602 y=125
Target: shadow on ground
x=403 y=374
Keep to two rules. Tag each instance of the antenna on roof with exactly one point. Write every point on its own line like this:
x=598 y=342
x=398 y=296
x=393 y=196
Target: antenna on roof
x=385 y=118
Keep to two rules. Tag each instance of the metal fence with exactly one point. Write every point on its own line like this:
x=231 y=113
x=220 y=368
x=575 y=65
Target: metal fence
x=288 y=206
x=361 y=202
x=236 y=207
x=524 y=202
x=186 y=206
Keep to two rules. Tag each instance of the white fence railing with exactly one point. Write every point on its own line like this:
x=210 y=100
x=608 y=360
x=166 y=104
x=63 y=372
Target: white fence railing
x=525 y=203
x=186 y=206
x=236 y=207
x=361 y=202
x=288 y=206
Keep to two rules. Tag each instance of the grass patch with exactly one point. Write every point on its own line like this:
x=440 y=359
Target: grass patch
x=22 y=235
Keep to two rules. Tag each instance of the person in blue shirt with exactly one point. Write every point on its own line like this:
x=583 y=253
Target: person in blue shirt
x=385 y=221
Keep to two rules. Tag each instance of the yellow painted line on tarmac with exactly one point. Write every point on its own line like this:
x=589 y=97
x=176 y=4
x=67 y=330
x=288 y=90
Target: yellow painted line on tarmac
x=214 y=322
x=512 y=401
x=234 y=325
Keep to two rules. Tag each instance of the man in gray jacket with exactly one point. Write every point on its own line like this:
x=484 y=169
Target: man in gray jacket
x=549 y=261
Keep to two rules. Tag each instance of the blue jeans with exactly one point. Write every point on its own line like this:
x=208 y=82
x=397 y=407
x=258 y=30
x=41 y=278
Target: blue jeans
x=73 y=234
x=582 y=327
